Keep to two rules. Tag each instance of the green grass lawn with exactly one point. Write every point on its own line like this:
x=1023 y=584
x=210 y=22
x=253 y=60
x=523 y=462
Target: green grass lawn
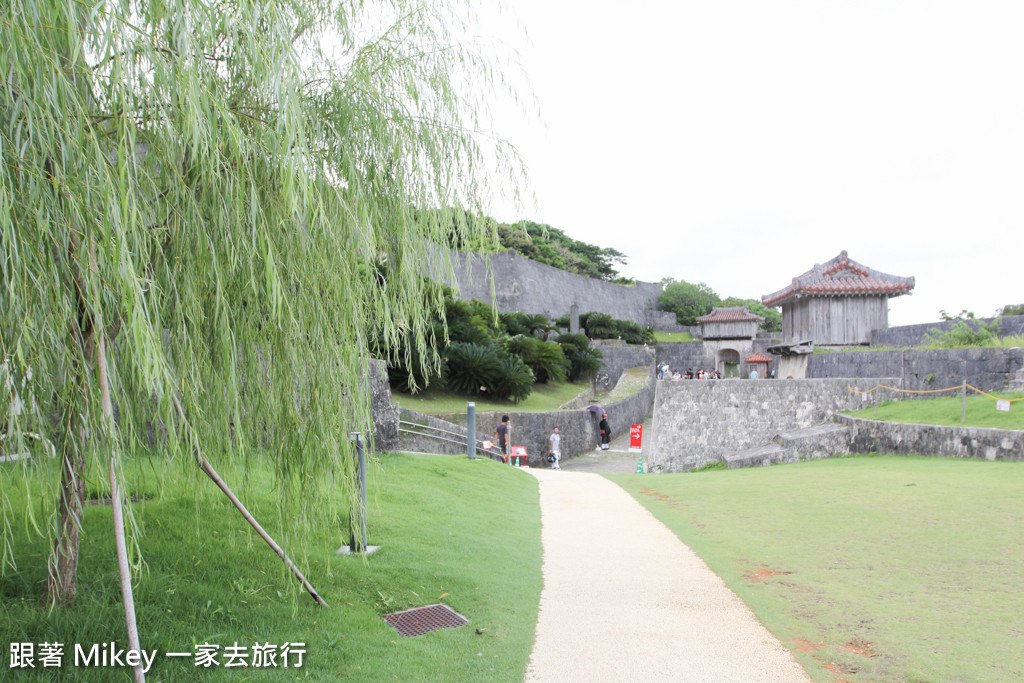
x=870 y=568
x=981 y=411
x=464 y=533
x=437 y=401
x=672 y=336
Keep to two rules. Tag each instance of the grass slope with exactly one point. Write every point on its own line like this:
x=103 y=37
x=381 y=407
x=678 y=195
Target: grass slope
x=672 y=336
x=871 y=568
x=437 y=401
x=465 y=533
x=981 y=412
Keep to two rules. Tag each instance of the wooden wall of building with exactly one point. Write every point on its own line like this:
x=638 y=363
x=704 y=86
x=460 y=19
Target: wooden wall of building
x=834 y=320
x=731 y=330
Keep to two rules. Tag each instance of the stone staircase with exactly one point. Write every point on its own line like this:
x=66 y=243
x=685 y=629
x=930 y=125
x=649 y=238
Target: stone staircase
x=820 y=441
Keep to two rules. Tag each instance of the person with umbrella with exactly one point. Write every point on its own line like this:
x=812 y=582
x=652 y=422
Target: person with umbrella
x=606 y=431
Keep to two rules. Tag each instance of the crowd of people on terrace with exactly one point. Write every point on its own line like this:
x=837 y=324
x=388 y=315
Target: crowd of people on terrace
x=664 y=372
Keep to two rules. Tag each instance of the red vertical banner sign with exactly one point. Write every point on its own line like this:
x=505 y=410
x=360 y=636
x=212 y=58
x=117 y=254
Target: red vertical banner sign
x=635 y=436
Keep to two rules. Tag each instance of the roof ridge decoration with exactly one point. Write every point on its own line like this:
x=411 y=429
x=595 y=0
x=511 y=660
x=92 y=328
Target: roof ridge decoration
x=840 y=276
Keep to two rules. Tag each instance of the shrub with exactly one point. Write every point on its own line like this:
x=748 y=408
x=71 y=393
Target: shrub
x=583 y=360
x=538 y=325
x=514 y=380
x=469 y=322
x=545 y=359
x=964 y=333
x=408 y=370
x=633 y=333
x=470 y=368
x=513 y=323
x=599 y=325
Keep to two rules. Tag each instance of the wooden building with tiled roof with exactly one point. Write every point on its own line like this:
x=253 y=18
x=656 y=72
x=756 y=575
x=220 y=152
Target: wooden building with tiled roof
x=734 y=322
x=837 y=303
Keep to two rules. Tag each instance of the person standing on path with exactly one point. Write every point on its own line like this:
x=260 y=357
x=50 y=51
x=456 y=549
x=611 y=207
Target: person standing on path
x=555 y=446
x=501 y=438
x=606 y=431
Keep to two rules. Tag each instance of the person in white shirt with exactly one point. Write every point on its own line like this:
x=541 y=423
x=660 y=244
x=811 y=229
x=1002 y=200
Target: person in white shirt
x=555 y=445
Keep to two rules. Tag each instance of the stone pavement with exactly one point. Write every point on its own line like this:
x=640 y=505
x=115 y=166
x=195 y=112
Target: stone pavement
x=616 y=460
x=625 y=600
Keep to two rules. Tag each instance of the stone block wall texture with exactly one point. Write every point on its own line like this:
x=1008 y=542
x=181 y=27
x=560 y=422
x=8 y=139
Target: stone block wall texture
x=914 y=335
x=923 y=369
x=578 y=428
x=696 y=423
x=617 y=359
x=701 y=354
x=665 y=321
x=870 y=436
x=524 y=285
x=420 y=433
x=682 y=355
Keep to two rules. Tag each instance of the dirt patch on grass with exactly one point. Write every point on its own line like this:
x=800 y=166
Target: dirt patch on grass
x=841 y=669
x=762 y=574
x=860 y=647
x=806 y=646
x=653 y=494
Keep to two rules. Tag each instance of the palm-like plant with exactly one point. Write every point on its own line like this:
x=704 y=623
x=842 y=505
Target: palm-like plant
x=600 y=326
x=470 y=368
x=514 y=380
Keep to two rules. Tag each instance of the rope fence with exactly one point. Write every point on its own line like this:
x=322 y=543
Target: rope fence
x=935 y=391
x=962 y=389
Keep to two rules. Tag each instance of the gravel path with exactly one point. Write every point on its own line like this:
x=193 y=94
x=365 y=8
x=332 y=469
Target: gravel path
x=625 y=600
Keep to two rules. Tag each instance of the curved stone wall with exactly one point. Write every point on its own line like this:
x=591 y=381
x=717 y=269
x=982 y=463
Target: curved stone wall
x=524 y=285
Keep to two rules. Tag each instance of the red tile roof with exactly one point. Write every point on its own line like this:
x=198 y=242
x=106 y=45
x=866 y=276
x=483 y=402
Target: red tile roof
x=842 y=276
x=758 y=358
x=734 y=314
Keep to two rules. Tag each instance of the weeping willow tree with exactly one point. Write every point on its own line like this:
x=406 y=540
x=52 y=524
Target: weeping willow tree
x=196 y=198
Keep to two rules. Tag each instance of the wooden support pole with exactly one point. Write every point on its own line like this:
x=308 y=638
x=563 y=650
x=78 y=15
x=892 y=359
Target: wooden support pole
x=963 y=402
x=212 y=474
x=123 y=567
x=205 y=465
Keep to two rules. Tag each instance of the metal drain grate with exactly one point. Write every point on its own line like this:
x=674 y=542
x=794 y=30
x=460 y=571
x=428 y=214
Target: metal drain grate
x=420 y=620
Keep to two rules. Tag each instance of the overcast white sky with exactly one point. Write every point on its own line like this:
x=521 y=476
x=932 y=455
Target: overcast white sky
x=738 y=143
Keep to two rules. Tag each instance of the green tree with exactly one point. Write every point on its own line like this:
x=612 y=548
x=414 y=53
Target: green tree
x=551 y=246
x=194 y=197
x=1011 y=309
x=772 y=316
x=688 y=301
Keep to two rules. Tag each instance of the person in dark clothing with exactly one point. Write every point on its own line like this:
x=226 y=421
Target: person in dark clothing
x=606 y=431
x=501 y=437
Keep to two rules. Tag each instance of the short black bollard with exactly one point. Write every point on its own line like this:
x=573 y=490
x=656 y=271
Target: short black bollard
x=357 y=541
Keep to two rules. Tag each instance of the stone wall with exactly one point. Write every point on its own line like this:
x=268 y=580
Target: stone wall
x=702 y=354
x=914 y=335
x=681 y=355
x=923 y=369
x=578 y=428
x=665 y=321
x=524 y=285
x=420 y=433
x=700 y=422
x=617 y=358
x=870 y=436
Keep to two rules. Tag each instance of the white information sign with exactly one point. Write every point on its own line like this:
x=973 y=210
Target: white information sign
x=1003 y=406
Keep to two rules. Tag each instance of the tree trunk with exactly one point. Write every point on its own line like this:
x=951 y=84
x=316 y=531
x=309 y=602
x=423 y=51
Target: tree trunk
x=62 y=584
